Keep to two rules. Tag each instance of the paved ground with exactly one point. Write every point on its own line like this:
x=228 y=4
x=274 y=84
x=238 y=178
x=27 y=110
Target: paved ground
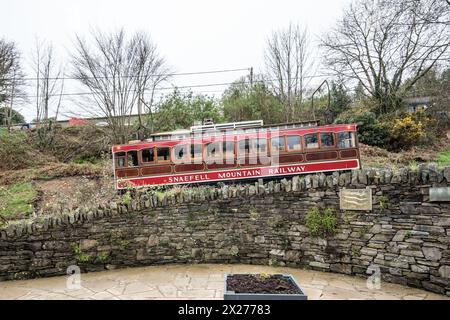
x=196 y=282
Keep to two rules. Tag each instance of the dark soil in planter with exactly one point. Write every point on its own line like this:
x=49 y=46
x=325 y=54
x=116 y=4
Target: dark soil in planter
x=256 y=283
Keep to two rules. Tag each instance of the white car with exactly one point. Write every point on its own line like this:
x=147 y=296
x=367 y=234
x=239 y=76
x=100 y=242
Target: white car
x=102 y=124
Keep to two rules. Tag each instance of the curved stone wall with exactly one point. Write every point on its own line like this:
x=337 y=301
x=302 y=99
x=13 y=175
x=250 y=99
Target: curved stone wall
x=405 y=237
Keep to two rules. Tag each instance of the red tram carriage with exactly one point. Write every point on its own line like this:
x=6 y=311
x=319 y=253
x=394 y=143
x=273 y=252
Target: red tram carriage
x=234 y=151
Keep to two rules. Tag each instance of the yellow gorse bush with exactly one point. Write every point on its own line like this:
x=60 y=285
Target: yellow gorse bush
x=407 y=131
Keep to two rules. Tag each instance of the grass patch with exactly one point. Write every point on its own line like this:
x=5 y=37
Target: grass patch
x=88 y=160
x=444 y=159
x=48 y=172
x=413 y=165
x=17 y=200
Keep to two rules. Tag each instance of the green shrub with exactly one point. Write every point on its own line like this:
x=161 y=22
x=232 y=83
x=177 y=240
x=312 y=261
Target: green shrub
x=103 y=257
x=314 y=221
x=321 y=224
x=79 y=255
x=126 y=198
x=384 y=203
x=329 y=221
x=370 y=130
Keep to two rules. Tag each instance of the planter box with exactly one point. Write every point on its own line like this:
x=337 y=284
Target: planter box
x=231 y=295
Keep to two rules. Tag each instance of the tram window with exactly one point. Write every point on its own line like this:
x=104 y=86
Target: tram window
x=261 y=145
x=180 y=152
x=311 y=141
x=213 y=150
x=346 y=140
x=132 y=157
x=196 y=151
x=163 y=154
x=121 y=159
x=148 y=155
x=294 y=143
x=244 y=147
x=228 y=149
x=278 y=144
x=326 y=139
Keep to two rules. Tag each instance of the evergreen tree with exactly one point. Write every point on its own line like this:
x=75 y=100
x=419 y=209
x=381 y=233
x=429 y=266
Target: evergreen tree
x=16 y=117
x=182 y=110
x=340 y=102
x=243 y=101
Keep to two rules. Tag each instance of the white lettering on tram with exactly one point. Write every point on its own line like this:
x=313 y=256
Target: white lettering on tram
x=240 y=174
x=197 y=177
x=287 y=170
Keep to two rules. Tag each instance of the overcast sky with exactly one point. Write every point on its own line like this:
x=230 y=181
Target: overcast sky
x=193 y=35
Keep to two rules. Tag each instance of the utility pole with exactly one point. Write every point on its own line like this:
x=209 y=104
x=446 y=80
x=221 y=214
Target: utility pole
x=9 y=117
x=141 y=127
x=312 y=97
x=251 y=76
x=38 y=72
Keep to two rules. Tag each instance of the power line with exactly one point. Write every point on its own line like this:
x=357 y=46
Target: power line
x=177 y=87
x=157 y=89
x=131 y=76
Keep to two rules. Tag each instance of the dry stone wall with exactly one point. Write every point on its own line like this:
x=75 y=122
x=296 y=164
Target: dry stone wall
x=405 y=238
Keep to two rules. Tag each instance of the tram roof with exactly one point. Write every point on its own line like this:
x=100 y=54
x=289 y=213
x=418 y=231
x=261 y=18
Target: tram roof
x=183 y=134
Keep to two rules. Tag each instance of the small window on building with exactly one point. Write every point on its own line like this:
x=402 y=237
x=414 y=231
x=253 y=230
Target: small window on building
x=132 y=157
x=311 y=141
x=163 y=154
x=326 y=140
x=278 y=144
x=148 y=155
x=294 y=143
x=346 y=140
x=121 y=159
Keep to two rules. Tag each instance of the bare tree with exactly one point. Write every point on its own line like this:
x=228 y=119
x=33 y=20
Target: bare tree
x=49 y=83
x=119 y=72
x=381 y=43
x=150 y=71
x=288 y=60
x=11 y=79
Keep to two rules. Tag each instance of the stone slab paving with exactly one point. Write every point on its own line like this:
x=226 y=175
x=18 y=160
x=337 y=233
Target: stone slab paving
x=201 y=281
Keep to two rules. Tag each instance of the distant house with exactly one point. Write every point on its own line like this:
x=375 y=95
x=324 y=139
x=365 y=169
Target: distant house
x=414 y=104
x=429 y=104
x=77 y=122
x=97 y=121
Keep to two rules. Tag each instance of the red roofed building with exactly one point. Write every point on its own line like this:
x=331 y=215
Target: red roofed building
x=77 y=122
